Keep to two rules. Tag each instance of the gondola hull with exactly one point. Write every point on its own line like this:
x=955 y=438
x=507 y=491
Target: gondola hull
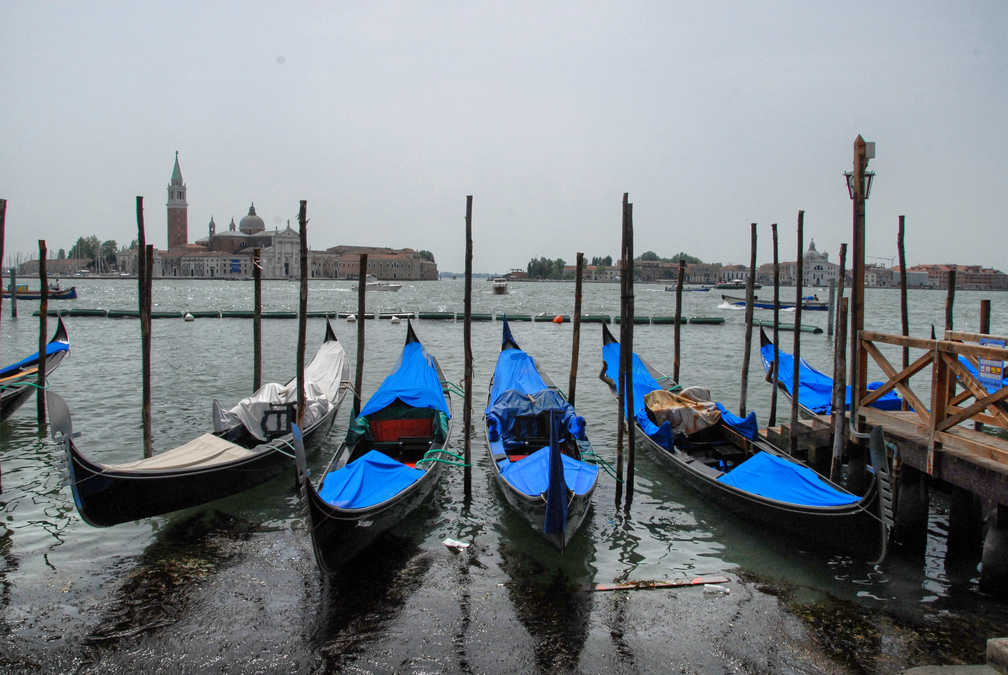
x=533 y=510
x=106 y=497
x=847 y=529
x=15 y=394
x=339 y=535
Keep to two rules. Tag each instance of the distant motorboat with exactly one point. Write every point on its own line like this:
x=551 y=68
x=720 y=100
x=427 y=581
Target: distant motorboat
x=55 y=292
x=810 y=302
x=500 y=285
x=735 y=284
x=371 y=283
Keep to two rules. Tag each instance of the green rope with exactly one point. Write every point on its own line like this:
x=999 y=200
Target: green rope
x=437 y=451
x=677 y=386
x=26 y=384
x=451 y=386
x=599 y=461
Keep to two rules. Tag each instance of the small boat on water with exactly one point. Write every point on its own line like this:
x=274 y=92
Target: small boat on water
x=734 y=284
x=722 y=457
x=371 y=283
x=703 y=289
x=500 y=285
x=18 y=381
x=811 y=302
x=538 y=446
x=251 y=444
x=815 y=389
x=392 y=459
x=55 y=292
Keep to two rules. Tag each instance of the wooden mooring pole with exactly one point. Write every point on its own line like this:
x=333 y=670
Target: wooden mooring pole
x=831 y=311
x=985 y=316
x=775 y=379
x=628 y=355
x=361 y=307
x=799 y=282
x=13 y=293
x=43 y=333
x=467 y=338
x=302 y=312
x=904 y=310
x=621 y=390
x=257 y=319
x=750 y=288
x=839 y=392
x=576 y=340
x=143 y=272
x=949 y=304
x=678 y=317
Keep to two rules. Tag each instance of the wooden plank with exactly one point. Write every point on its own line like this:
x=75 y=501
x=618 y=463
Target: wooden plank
x=647 y=585
x=979 y=351
x=899 y=340
x=981 y=404
x=897 y=380
x=978 y=390
x=975 y=444
x=972 y=337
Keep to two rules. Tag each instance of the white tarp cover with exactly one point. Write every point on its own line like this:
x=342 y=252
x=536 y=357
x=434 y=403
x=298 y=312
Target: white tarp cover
x=207 y=450
x=689 y=411
x=323 y=377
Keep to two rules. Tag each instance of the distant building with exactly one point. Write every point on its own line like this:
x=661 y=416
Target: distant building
x=817 y=270
x=178 y=210
x=968 y=277
x=386 y=264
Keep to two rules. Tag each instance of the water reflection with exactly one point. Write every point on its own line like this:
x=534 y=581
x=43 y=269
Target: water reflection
x=358 y=608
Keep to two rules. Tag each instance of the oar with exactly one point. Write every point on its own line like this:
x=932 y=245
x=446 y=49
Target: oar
x=659 y=583
x=19 y=375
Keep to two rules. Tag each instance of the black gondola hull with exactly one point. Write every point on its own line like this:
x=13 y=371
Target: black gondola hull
x=855 y=528
x=339 y=535
x=14 y=396
x=106 y=497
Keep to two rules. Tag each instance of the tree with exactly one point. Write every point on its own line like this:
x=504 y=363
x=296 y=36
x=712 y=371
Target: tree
x=426 y=255
x=133 y=245
x=649 y=256
x=61 y=255
x=598 y=260
x=108 y=252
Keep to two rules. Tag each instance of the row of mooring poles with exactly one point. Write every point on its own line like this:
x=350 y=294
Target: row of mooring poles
x=576 y=338
x=799 y=282
x=467 y=332
x=839 y=400
x=626 y=349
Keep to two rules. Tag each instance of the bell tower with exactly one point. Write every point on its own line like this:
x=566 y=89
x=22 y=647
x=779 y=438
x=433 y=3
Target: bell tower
x=178 y=209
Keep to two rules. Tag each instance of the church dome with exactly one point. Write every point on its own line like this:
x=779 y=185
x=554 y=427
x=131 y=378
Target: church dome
x=251 y=224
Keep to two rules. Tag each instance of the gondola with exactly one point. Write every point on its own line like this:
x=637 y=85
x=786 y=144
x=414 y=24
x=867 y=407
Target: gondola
x=537 y=446
x=250 y=445
x=18 y=381
x=815 y=389
x=392 y=459
x=729 y=464
x=809 y=303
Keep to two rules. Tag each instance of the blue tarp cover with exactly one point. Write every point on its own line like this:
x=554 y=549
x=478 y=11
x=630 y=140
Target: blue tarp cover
x=530 y=475
x=775 y=478
x=413 y=380
x=815 y=389
x=515 y=370
x=51 y=349
x=512 y=403
x=644 y=384
x=367 y=481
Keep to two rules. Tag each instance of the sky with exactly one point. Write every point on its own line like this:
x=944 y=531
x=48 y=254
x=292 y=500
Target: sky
x=384 y=116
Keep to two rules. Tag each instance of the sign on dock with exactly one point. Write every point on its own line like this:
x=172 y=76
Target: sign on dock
x=991 y=371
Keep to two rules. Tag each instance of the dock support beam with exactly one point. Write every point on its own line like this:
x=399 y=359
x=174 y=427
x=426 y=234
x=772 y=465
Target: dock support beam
x=912 y=509
x=994 y=564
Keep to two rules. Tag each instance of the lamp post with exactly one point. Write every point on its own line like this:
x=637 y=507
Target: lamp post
x=859 y=182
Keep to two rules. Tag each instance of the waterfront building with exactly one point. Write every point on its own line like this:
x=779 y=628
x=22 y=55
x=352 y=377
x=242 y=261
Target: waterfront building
x=386 y=264
x=178 y=209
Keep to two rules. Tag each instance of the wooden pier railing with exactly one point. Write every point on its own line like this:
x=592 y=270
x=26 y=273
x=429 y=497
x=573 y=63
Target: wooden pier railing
x=952 y=384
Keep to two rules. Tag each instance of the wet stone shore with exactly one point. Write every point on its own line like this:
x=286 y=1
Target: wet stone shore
x=214 y=595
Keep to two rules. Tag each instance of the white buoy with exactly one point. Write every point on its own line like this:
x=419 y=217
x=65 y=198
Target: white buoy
x=351 y=319
x=395 y=319
x=189 y=317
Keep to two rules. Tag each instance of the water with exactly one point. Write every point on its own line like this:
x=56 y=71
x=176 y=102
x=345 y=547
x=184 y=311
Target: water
x=55 y=569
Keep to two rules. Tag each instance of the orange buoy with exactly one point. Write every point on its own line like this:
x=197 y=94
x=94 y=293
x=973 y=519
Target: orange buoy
x=557 y=319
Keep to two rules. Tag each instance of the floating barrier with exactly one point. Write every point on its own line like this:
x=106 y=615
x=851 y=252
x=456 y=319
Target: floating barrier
x=636 y=319
x=480 y=317
x=397 y=315
x=437 y=315
x=520 y=317
x=545 y=318
x=815 y=330
x=344 y=315
x=205 y=314
x=596 y=318
x=711 y=320
x=667 y=319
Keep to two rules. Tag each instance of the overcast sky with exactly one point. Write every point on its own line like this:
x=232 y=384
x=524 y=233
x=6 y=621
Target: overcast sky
x=384 y=116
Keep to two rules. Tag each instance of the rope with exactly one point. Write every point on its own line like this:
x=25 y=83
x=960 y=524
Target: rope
x=436 y=451
x=452 y=387
x=25 y=384
x=599 y=461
